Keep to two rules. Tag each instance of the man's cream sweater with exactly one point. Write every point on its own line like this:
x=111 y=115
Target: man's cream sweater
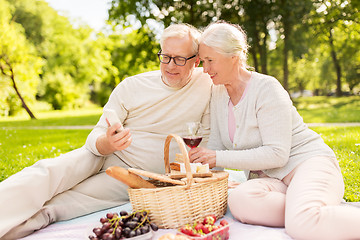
x=152 y=110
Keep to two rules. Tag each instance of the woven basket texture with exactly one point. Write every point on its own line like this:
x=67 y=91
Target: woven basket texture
x=176 y=206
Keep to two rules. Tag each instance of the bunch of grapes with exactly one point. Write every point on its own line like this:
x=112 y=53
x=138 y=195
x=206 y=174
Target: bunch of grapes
x=125 y=225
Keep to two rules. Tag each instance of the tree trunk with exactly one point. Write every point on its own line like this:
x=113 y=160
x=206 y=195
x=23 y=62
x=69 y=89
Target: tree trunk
x=287 y=31
x=253 y=54
x=336 y=64
x=285 y=63
x=263 y=53
x=255 y=49
x=12 y=77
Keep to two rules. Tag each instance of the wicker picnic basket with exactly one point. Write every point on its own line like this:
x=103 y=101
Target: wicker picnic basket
x=178 y=205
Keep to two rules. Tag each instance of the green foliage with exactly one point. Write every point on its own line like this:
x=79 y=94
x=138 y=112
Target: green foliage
x=302 y=80
x=284 y=35
x=76 y=62
x=19 y=64
x=134 y=53
x=65 y=65
x=62 y=92
x=333 y=23
x=349 y=36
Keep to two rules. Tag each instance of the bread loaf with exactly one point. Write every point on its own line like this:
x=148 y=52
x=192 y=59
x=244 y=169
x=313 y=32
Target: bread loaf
x=128 y=178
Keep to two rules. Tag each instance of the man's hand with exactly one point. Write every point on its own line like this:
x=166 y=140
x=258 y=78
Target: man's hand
x=203 y=156
x=113 y=141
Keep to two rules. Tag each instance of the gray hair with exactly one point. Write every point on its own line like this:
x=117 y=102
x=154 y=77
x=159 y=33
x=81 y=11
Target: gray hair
x=181 y=30
x=227 y=39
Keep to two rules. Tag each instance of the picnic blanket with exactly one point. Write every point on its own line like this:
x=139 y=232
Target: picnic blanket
x=80 y=228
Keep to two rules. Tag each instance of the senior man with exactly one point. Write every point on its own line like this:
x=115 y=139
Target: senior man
x=150 y=106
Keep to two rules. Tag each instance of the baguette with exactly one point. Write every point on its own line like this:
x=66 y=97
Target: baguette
x=128 y=178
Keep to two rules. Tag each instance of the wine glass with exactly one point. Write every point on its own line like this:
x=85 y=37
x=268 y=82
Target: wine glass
x=192 y=134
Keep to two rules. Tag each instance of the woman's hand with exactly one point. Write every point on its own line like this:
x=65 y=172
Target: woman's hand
x=203 y=155
x=113 y=141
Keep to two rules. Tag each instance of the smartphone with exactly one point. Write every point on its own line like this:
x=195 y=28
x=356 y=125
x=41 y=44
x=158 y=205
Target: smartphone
x=111 y=116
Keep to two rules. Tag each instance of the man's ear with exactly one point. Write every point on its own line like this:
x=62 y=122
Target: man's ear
x=197 y=62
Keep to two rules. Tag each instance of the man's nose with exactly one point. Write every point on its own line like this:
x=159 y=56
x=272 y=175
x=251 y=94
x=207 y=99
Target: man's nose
x=172 y=63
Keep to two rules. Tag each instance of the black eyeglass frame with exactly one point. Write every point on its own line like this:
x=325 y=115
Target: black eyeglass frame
x=174 y=59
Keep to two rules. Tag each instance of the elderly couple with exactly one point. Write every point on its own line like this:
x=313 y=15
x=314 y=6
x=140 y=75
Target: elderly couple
x=253 y=127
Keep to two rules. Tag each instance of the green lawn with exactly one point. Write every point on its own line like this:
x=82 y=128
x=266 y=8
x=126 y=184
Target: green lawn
x=21 y=145
x=345 y=141
x=55 y=118
x=329 y=109
x=20 y=148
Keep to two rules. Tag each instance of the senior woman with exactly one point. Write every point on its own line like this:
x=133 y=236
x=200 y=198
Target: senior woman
x=255 y=127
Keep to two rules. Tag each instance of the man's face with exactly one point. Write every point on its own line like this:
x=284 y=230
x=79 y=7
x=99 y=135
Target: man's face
x=172 y=74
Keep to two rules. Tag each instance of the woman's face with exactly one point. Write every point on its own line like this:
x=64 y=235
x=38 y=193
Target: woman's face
x=221 y=68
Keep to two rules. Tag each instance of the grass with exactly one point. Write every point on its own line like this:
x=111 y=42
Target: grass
x=20 y=148
x=21 y=144
x=55 y=118
x=329 y=109
x=345 y=141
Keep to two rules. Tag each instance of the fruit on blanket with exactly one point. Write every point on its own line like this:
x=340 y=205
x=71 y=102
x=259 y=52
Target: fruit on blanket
x=123 y=225
x=199 y=227
x=211 y=219
x=154 y=226
x=188 y=230
x=207 y=229
x=224 y=222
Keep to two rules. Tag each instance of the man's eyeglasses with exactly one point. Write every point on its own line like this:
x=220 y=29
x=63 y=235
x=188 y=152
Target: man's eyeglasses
x=180 y=61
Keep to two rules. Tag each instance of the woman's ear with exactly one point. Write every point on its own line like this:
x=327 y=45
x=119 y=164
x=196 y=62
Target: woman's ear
x=235 y=59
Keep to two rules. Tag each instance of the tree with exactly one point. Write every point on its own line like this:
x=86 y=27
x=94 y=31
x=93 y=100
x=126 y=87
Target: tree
x=18 y=61
x=71 y=55
x=196 y=13
x=255 y=16
x=289 y=14
x=330 y=20
x=350 y=54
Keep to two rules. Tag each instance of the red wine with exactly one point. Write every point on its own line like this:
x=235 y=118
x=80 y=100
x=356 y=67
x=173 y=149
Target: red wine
x=192 y=142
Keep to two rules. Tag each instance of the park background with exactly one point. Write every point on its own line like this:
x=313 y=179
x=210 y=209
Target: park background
x=57 y=72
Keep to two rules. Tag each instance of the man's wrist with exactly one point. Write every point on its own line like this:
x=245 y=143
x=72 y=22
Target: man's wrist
x=103 y=146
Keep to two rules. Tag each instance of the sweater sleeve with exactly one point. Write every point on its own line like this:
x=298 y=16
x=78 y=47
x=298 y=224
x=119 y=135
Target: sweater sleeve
x=205 y=123
x=271 y=109
x=116 y=103
x=215 y=142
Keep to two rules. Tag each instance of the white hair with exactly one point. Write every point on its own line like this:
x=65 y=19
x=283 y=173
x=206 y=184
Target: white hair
x=181 y=30
x=227 y=39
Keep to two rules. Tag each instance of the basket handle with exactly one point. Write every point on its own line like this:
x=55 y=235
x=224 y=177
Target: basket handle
x=184 y=152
